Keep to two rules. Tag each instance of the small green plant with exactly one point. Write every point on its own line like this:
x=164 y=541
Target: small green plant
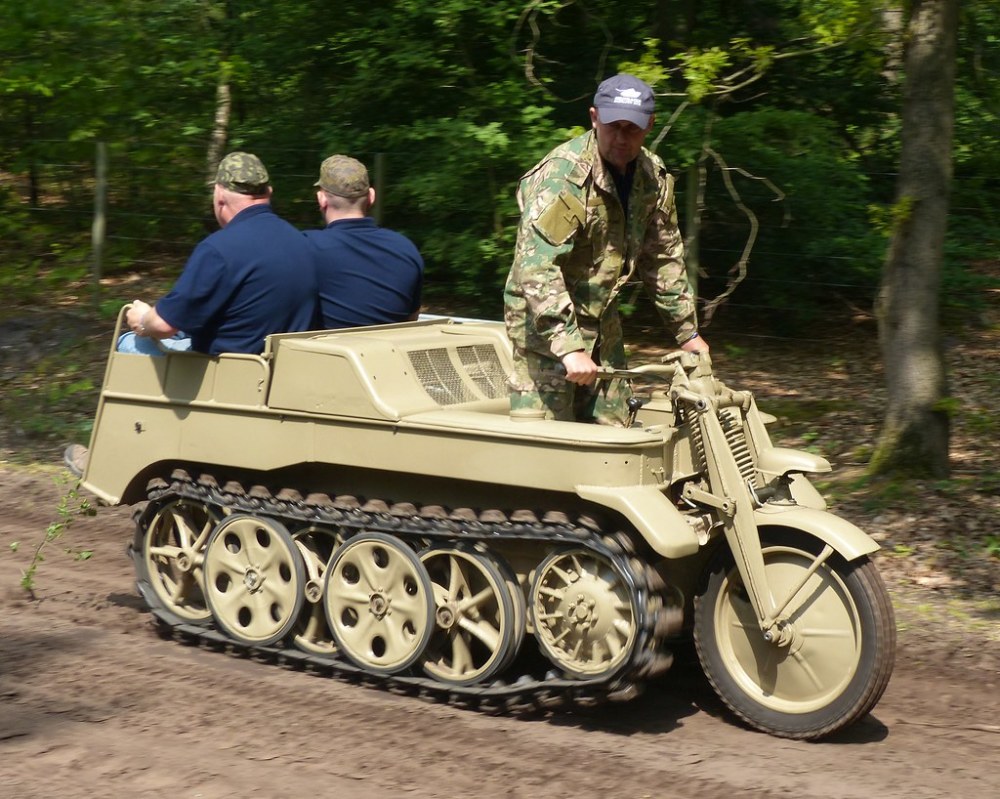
x=948 y=405
x=71 y=505
x=982 y=423
x=993 y=546
x=903 y=550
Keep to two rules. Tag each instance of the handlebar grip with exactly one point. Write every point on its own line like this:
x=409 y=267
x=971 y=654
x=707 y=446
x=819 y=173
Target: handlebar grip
x=689 y=397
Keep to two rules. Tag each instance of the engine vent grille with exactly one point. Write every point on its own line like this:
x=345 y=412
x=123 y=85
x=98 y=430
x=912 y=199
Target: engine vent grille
x=482 y=365
x=465 y=374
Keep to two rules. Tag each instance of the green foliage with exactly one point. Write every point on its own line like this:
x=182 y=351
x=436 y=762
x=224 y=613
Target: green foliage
x=947 y=405
x=458 y=99
x=993 y=546
x=52 y=399
x=903 y=550
x=808 y=196
x=71 y=505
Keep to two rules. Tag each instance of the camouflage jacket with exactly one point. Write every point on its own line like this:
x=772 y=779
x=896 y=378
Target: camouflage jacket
x=576 y=251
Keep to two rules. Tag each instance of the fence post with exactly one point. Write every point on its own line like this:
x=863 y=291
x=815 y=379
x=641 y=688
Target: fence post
x=99 y=225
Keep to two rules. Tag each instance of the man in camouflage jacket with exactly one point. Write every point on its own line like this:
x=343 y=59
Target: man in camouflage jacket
x=595 y=211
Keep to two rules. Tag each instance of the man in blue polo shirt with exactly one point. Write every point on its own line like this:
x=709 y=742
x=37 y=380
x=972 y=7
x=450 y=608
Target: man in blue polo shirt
x=253 y=277
x=368 y=275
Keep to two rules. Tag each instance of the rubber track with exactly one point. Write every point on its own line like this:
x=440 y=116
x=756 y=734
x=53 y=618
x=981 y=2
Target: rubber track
x=523 y=694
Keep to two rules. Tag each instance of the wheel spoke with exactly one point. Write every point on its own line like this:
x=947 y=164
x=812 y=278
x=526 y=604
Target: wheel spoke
x=272 y=558
x=412 y=606
x=827 y=632
x=273 y=593
x=185 y=532
x=166 y=552
x=371 y=576
x=352 y=598
x=806 y=667
x=455 y=577
x=232 y=564
x=483 y=630
x=474 y=602
x=461 y=657
x=178 y=592
x=229 y=603
x=398 y=637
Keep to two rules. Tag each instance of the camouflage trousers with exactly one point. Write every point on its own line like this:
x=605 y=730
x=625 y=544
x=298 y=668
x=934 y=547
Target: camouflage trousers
x=540 y=383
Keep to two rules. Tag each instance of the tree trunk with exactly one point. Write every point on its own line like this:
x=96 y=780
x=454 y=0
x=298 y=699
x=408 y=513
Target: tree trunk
x=220 y=129
x=914 y=438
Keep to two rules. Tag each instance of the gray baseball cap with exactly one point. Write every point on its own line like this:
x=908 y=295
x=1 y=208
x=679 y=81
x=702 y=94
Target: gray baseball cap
x=625 y=97
x=343 y=176
x=243 y=173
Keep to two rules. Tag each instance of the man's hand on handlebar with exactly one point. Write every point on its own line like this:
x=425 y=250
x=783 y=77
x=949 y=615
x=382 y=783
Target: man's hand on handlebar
x=580 y=368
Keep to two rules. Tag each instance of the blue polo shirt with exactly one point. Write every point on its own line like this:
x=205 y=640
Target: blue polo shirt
x=254 y=277
x=368 y=275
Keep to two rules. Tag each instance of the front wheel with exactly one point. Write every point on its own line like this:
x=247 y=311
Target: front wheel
x=833 y=657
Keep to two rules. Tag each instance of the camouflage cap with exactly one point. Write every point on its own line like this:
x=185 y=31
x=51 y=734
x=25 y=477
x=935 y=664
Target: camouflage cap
x=343 y=176
x=243 y=173
x=624 y=97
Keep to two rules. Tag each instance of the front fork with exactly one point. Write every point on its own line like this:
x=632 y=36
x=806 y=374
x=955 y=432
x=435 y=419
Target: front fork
x=730 y=496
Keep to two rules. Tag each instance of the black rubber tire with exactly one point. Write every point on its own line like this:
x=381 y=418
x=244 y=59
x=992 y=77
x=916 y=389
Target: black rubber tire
x=837 y=666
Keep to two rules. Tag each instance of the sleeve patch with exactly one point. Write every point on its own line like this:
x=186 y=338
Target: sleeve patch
x=563 y=217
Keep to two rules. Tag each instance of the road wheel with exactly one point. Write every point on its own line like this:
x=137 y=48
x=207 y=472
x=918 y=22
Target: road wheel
x=311 y=633
x=254 y=579
x=379 y=603
x=831 y=656
x=585 y=613
x=474 y=616
x=168 y=558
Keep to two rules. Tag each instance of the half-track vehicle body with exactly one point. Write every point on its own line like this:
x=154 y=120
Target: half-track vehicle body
x=363 y=503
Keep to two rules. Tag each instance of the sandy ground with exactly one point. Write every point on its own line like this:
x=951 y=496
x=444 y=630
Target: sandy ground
x=93 y=703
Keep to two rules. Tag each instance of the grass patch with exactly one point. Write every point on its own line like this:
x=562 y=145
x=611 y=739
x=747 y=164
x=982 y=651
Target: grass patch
x=50 y=402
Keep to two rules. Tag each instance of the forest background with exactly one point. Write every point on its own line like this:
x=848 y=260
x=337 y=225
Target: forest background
x=780 y=119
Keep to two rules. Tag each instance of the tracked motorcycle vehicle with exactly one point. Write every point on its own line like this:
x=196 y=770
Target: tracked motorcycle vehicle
x=363 y=503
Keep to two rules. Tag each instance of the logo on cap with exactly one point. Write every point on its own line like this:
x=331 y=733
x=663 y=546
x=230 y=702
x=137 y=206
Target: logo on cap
x=625 y=98
x=630 y=96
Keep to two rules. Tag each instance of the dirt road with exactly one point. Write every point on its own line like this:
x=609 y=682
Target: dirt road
x=93 y=703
